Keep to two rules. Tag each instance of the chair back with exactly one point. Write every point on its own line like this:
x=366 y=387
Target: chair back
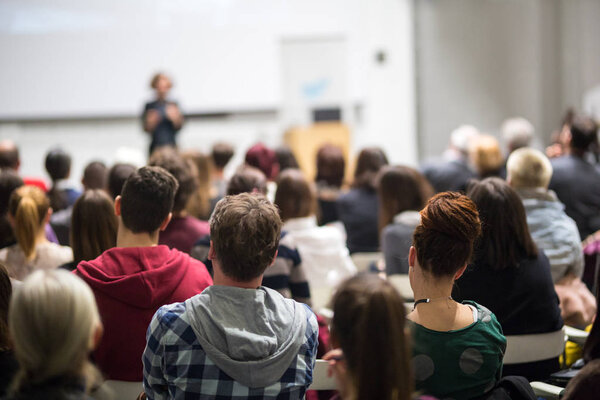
x=402 y=285
x=364 y=260
x=118 y=390
x=321 y=380
x=534 y=347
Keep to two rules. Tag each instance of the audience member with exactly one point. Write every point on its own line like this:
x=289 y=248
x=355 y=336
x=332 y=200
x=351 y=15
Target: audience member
x=204 y=197
x=457 y=347
x=221 y=155
x=403 y=192
x=9 y=181
x=370 y=359
x=322 y=249
x=94 y=177
x=54 y=324
x=517 y=132
x=117 y=176
x=509 y=275
x=10 y=159
x=529 y=173
x=93 y=227
x=286 y=158
x=286 y=275
x=454 y=171
x=486 y=156
x=8 y=363
x=577 y=182
x=183 y=230
x=358 y=209
x=134 y=279
x=162 y=118
x=261 y=157
x=242 y=339
x=58 y=165
x=28 y=212
x=331 y=167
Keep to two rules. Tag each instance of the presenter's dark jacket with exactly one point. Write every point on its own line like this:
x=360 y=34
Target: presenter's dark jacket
x=165 y=131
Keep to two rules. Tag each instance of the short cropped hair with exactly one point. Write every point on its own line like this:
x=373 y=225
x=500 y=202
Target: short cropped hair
x=95 y=175
x=147 y=199
x=185 y=173
x=117 y=176
x=528 y=168
x=517 y=133
x=221 y=154
x=245 y=231
x=583 y=132
x=247 y=179
x=9 y=155
x=58 y=164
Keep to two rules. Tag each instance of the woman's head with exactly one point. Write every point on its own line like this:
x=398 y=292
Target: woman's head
x=370 y=161
x=505 y=238
x=93 y=225
x=295 y=196
x=54 y=324
x=444 y=240
x=161 y=83
x=5 y=293
x=401 y=189
x=486 y=156
x=29 y=209
x=331 y=165
x=368 y=325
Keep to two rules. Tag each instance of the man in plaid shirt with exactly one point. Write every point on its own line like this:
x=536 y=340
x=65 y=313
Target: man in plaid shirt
x=236 y=340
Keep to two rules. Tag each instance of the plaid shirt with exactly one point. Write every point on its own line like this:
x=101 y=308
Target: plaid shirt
x=176 y=366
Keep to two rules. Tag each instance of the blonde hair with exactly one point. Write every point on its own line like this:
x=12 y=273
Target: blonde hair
x=486 y=155
x=28 y=205
x=52 y=319
x=528 y=168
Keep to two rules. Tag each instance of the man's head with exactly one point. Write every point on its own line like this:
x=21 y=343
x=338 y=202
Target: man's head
x=147 y=199
x=247 y=179
x=117 y=176
x=183 y=171
x=58 y=164
x=221 y=154
x=583 y=133
x=244 y=231
x=517 y=133
x=94 y=175
x=9 y=155
x=462 y=137
x=528 y=168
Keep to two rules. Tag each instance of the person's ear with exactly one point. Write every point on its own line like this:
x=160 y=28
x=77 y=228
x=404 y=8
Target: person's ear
x=96 y=336
x=118 y=206
x=274 y=258
x=461 y=271
x=212 y=254
x=165 y=222
x=48 y=215
x=412 y=255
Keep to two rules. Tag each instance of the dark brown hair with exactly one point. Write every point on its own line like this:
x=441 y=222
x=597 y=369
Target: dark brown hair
x=247 y=179
x=9 y=155
x=221 y=154
x=245 y=230
x=444 y=239
x=400 y=189
x=368 y=323
x=331 y=165
x=583 y=132
x=117 y=176
x=93 y=225
x=286 y=158
x=147 y=199
x=5 y=293
x=370 y=161
x=505 y=238
x=95 y=175
x=169 y=159
x=295 y=197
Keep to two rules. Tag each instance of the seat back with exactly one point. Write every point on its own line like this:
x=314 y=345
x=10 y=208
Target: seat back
x=535 y=347
x=321 y=380
x=364 y=260
x=118 y=390
x=402 y=285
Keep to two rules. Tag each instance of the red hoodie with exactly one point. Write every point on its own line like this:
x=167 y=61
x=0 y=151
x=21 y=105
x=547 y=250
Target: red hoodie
x=130 y=284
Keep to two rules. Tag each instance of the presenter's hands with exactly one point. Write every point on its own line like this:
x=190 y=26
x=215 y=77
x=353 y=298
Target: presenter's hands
x=337 y=368
x=174 y=115
x=152 y=119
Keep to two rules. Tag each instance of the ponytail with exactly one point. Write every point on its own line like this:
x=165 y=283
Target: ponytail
x=28 y=205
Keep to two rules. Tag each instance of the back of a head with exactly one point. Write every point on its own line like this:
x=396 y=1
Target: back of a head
x=9 y=181
x=295 y=197
x=202 y=165
x=28 y=205
x=245 y=231
x=505 y=238
x=331 y=165
x=583 y=132
x=401 y=188
x=58 y=164
x=247 y=180
x=181 y=169
x=368 y=316
x=93 y=225
x=117 y=176
x=528 y=168
x=461 y=137
x=517 y=132
x=52 y=318
x=445 y=238
x=286 y=158
x=147 y=199
x=221 y=154
x=5 y=293
x=486 y=155
x=261 y=157
x=586 y=384
x=9 y=155
x=95 y=175
x=370 y=161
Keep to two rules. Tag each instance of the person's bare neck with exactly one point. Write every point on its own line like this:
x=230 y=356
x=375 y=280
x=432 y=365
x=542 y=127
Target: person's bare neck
x=127 y=238
x=220 y=279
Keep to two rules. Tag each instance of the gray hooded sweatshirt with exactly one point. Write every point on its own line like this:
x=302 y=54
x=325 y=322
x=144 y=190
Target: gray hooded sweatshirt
x=253 y=335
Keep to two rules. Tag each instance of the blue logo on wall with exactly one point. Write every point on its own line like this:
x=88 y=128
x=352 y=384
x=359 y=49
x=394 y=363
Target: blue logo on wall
x=315 y=89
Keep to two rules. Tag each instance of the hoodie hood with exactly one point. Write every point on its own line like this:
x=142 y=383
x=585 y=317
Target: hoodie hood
x=142 y=277
x=252 y=335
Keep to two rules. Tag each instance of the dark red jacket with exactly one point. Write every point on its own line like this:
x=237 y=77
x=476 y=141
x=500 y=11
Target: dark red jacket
x=130 y=284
